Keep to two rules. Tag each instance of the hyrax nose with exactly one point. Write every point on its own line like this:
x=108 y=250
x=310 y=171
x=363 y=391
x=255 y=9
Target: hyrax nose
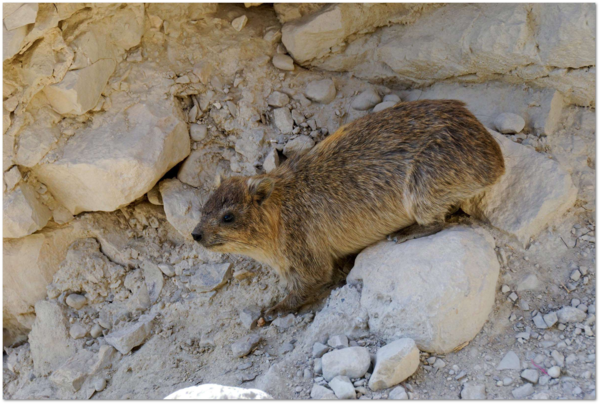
x=197 y=236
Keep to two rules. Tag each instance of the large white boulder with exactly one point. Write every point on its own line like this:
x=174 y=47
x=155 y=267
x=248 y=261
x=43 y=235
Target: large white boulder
x=217 y=392
x=534 y=191
x=437 y=290
x=118 y=159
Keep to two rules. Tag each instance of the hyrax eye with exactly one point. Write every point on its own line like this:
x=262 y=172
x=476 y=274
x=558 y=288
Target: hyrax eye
x=228 y=218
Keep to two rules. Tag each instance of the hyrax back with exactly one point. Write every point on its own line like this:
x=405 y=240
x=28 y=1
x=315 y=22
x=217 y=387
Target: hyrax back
x=404 y=166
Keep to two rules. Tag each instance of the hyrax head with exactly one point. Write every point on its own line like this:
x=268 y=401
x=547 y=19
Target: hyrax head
x=234 y=218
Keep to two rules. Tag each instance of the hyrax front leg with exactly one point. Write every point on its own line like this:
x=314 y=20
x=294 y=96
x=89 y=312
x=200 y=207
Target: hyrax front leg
x=302 y=290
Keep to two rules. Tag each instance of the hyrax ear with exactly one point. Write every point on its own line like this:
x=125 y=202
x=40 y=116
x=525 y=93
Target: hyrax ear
x=260 y=188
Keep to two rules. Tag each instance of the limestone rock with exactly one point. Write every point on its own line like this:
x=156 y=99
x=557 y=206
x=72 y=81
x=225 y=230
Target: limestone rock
x=437 y=290
x=25 y=14
x=271 y=161
x=319 y=392
x=509 y=123
x=570 y=314
x=125 y=339
x=80 y=90
x=277 y=99
x=366 y=100
x=473 y=392
x=78 y=331
x=12 y=178
x=49 y=338
x=74 y=372
x=283 y=119
x=198 y=132
x=217 y=392
x=291 y=11
x=154 y=279
x=76 y=301
x=98 y=170
x=182 y=205
x=523 y=205
x=29 y=264
x=322 y=91
x=383 y=105
x=395 y=362
x=209 y=277
x=315 y=34
x=23 y=212
x=352 y=362
x=245 y=345
x=239 y=23
x=509 y=362
x=399 y=393
x=342 y=387
x=283 y=62
x=298 y=145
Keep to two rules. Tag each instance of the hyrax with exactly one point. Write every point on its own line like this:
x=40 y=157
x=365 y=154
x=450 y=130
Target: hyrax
x=399 y=170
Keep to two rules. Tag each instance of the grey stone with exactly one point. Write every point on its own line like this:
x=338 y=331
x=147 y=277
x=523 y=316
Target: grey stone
x=125 y=339
x=392 y=98
x=318 y=366
x=285 y=348
x=394 y=363
x=167 y=269
x=550 y=319
x=249 y=316
x=49 y=330
x=366 y=100
x=283 y=62
x=96 y=331
x=338 y=341
x=398 y=394
x=570 y=314
x=298 y=145
x=509 y=362
x=509 y=123
x=283 y=119
x=523 y=391
x=558 y=357
x=154 y=279
x=473 y=392
x=319 y=392
x=100 y=384
x=71 y=375
x=271 y=161
x=209 y=277
x=383 y=105
x=244 y=345
x=76 y=301
x=530 y=282
x=277 y=99
x=342 y=387
x=319 y=350
x=284 y=323
x=78 y=331
x=198 y=132
x=322 y=91
x=539 y=322
x=352 y=362
x=554 y=372
x=531 y=375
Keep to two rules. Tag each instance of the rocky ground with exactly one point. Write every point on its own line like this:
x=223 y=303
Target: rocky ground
x=117 y=119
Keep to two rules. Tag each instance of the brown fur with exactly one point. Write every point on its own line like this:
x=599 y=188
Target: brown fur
x=406 y=165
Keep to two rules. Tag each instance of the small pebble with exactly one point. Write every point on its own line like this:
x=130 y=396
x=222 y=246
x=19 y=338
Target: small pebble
x=283 y=62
